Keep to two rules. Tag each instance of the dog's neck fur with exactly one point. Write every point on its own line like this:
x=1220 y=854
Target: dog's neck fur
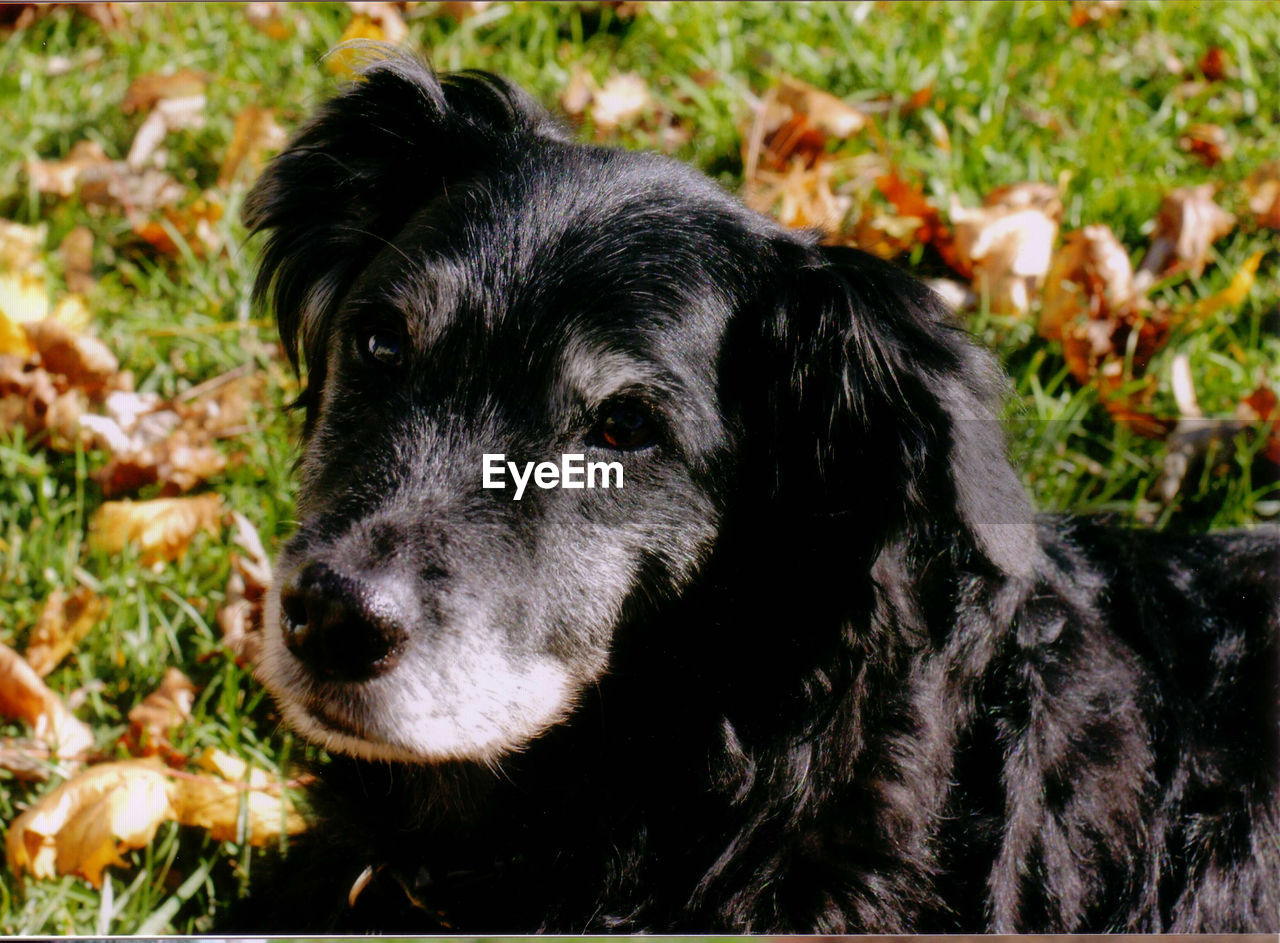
x=781 y=772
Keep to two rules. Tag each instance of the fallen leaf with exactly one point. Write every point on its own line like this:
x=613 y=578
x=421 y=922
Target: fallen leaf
x=463 y=9
x=1188 y=224
x=85 y=824
x=1213 y=64
x=194 y=224
x=1208 y=142
x=161 y=529
x=21 y=246
x=24 y=696
x=62 y=177
x=621 y=100
x=1234 y=295
x=13 y=339
x=146 y=91
x=910 y=202
x=65 y=619
x=30 y=398
x=216 y=804
x=1263 y=188
x=23 y=291
x=268 y=18
x=76 y=253
x=386 y=16
x=153 y=720
x=168 y=115
x=83 y=361
x=1084 y=12
x=794 y=122
x=1090 y=278
x=1008 y=242
x=800 y=197
x=1108 y=331
x=254 y=135
x=241 y=618
x=343 y=60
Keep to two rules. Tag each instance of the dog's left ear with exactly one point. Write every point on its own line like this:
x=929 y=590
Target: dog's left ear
x=882 y=409
x=354 y=174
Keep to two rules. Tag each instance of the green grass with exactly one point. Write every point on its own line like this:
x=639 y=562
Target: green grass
x=1022 y=93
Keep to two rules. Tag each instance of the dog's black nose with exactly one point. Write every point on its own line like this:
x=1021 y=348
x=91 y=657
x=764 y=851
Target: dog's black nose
x=342 y=628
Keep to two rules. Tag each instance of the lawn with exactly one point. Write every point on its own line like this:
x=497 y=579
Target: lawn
x=1118 y=107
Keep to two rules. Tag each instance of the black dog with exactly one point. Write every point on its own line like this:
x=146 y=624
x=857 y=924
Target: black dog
x=816 y=666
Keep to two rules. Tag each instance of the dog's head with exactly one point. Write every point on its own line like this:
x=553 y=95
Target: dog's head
x=463 y=281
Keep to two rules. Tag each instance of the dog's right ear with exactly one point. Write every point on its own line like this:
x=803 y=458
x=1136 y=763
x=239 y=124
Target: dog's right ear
x=351 y=178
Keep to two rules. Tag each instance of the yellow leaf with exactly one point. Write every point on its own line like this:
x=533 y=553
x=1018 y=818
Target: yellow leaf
x=343 y=60
x=23 y=297
x=164 y=708
x=13 y=339
x=23 y=695
x=161 y=529
x=65 y=619
x=216 y=804
x=1234 y=295
x=83 y=825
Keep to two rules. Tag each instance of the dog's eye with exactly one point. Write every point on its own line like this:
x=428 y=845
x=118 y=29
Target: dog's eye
x=383 y=346
x=625 y=427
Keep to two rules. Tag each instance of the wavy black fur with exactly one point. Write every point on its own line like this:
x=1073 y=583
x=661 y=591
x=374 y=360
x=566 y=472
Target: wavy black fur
x=886 y=698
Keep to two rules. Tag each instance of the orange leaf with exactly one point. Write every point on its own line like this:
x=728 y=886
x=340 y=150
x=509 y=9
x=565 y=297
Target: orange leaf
x=25 y=697
x=82 y=826
x=65 y=619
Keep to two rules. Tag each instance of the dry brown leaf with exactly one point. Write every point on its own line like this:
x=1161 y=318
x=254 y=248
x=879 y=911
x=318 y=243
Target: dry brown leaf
x=146 y=91
x=195 y=224
x=800 y=197
x=167 y=707
x=21 y=246
x=76 y=254
x=620 y=101
x=168 y=114
x=269 y=18
x=463 y=9
x=83 y=361
x=161 y=529
x=1263 y=187
x=1091 y=278
x=170 y=443
x=910 y=202
x=83 y=826
x=1213 y=64
x=65 y=619
x=216 y=805
x=254 y=135
x=1008 y=243
x=1262 y=405
x=1084 y=12
x=1208 y=142
x=794 y=122
x=62 y=177
x=1188 y=224
x=386 y=16
x=1109 y=332
x=30 y=398
x=241 y=618
x=24 y=696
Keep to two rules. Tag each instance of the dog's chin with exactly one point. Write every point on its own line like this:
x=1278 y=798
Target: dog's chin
x=479 y=711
